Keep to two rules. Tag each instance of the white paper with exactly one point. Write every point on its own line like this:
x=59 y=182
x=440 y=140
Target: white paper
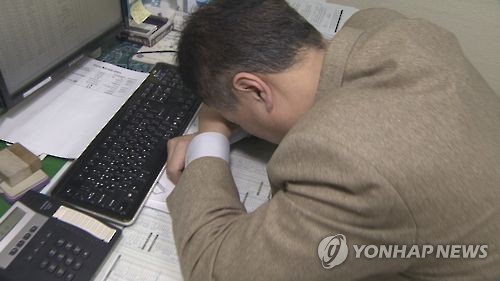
x=158 y=197
x=146 y=251
x=248 y=162
x=64 y=118
x=327 y=18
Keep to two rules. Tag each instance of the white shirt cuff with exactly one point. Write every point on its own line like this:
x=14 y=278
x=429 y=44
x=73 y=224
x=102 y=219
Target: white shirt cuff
x=208 y=144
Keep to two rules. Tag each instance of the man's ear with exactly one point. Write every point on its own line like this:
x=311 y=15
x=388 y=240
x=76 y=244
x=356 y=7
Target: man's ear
x=254 y=87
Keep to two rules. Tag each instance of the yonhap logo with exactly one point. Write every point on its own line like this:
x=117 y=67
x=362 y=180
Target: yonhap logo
x=332 y=251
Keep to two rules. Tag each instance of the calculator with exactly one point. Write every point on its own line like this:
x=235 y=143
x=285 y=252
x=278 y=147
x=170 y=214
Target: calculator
x=42 y=240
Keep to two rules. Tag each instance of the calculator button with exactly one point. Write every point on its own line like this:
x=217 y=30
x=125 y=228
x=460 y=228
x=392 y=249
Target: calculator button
x=69 y=277
x=20 y=243
x=44 y=264
x=43 y=242
x=48 y=235
x=36 y=250
x=60 y=242
x=33 y=228
x=68 y=246
x=13 y=251
x=27 y=236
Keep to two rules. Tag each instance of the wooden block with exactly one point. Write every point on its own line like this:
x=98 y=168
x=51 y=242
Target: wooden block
x=12 y=168
x=36 y=180
x=27 y=156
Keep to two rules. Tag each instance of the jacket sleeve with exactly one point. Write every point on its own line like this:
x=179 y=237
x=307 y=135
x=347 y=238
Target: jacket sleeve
x=321 y=193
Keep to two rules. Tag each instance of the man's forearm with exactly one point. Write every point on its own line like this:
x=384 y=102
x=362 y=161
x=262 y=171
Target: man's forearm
x=204 y=201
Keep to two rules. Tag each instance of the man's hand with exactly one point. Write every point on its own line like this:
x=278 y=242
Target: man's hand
x=209 y=120
x=177 y=148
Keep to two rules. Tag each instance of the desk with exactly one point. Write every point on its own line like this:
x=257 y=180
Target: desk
x=146 y=250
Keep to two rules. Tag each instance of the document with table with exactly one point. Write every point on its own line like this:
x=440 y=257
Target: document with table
x=63 y=120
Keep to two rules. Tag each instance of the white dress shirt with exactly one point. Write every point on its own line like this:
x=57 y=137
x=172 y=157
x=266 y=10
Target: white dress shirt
x=212 y=144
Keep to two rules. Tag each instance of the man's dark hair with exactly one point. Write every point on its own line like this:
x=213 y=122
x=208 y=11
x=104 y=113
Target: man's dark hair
x=226 y=37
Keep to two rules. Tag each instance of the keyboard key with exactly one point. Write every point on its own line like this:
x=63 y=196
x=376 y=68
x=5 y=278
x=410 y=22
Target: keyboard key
x=60 y=272
x=77 y=250
x=85 y=254
x=60 y=257
x=52 y=267
x=60 y=242
x=69 y=260
x=69 y=277
x=77 y=265
x=43 y=264
x=52 y=253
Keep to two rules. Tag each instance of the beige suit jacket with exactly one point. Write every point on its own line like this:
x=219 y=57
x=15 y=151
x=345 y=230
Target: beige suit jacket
x=402 y=147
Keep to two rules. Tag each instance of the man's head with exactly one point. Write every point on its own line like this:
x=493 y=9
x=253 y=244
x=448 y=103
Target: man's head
x=246 y=58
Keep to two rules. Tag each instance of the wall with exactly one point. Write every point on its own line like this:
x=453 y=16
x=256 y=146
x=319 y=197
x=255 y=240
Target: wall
x=476 y=23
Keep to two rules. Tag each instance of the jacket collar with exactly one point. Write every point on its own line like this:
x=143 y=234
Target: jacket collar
x=335 y=60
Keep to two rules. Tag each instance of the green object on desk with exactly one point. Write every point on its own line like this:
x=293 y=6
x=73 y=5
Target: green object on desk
x=51 y=165
x=4 y=206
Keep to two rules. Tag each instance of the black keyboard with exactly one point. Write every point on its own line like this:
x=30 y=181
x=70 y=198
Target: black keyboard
x=114 y=175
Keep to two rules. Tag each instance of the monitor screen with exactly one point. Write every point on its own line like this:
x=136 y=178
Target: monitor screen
x=39 y=37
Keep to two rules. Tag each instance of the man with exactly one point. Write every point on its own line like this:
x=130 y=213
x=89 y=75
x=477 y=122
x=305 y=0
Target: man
x=388 y=137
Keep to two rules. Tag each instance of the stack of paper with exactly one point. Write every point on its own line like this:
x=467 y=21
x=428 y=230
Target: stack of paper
x=328 y=18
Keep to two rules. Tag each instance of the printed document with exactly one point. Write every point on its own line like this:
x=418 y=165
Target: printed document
x=66 y=116
x=328 y=18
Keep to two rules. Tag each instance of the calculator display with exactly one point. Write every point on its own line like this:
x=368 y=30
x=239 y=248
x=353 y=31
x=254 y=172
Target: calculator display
x=10 y=222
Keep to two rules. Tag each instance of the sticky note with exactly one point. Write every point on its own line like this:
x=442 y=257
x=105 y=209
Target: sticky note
x=85 y=222
x=138 y=12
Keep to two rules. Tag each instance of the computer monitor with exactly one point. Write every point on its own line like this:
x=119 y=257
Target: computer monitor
x=39 y=38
